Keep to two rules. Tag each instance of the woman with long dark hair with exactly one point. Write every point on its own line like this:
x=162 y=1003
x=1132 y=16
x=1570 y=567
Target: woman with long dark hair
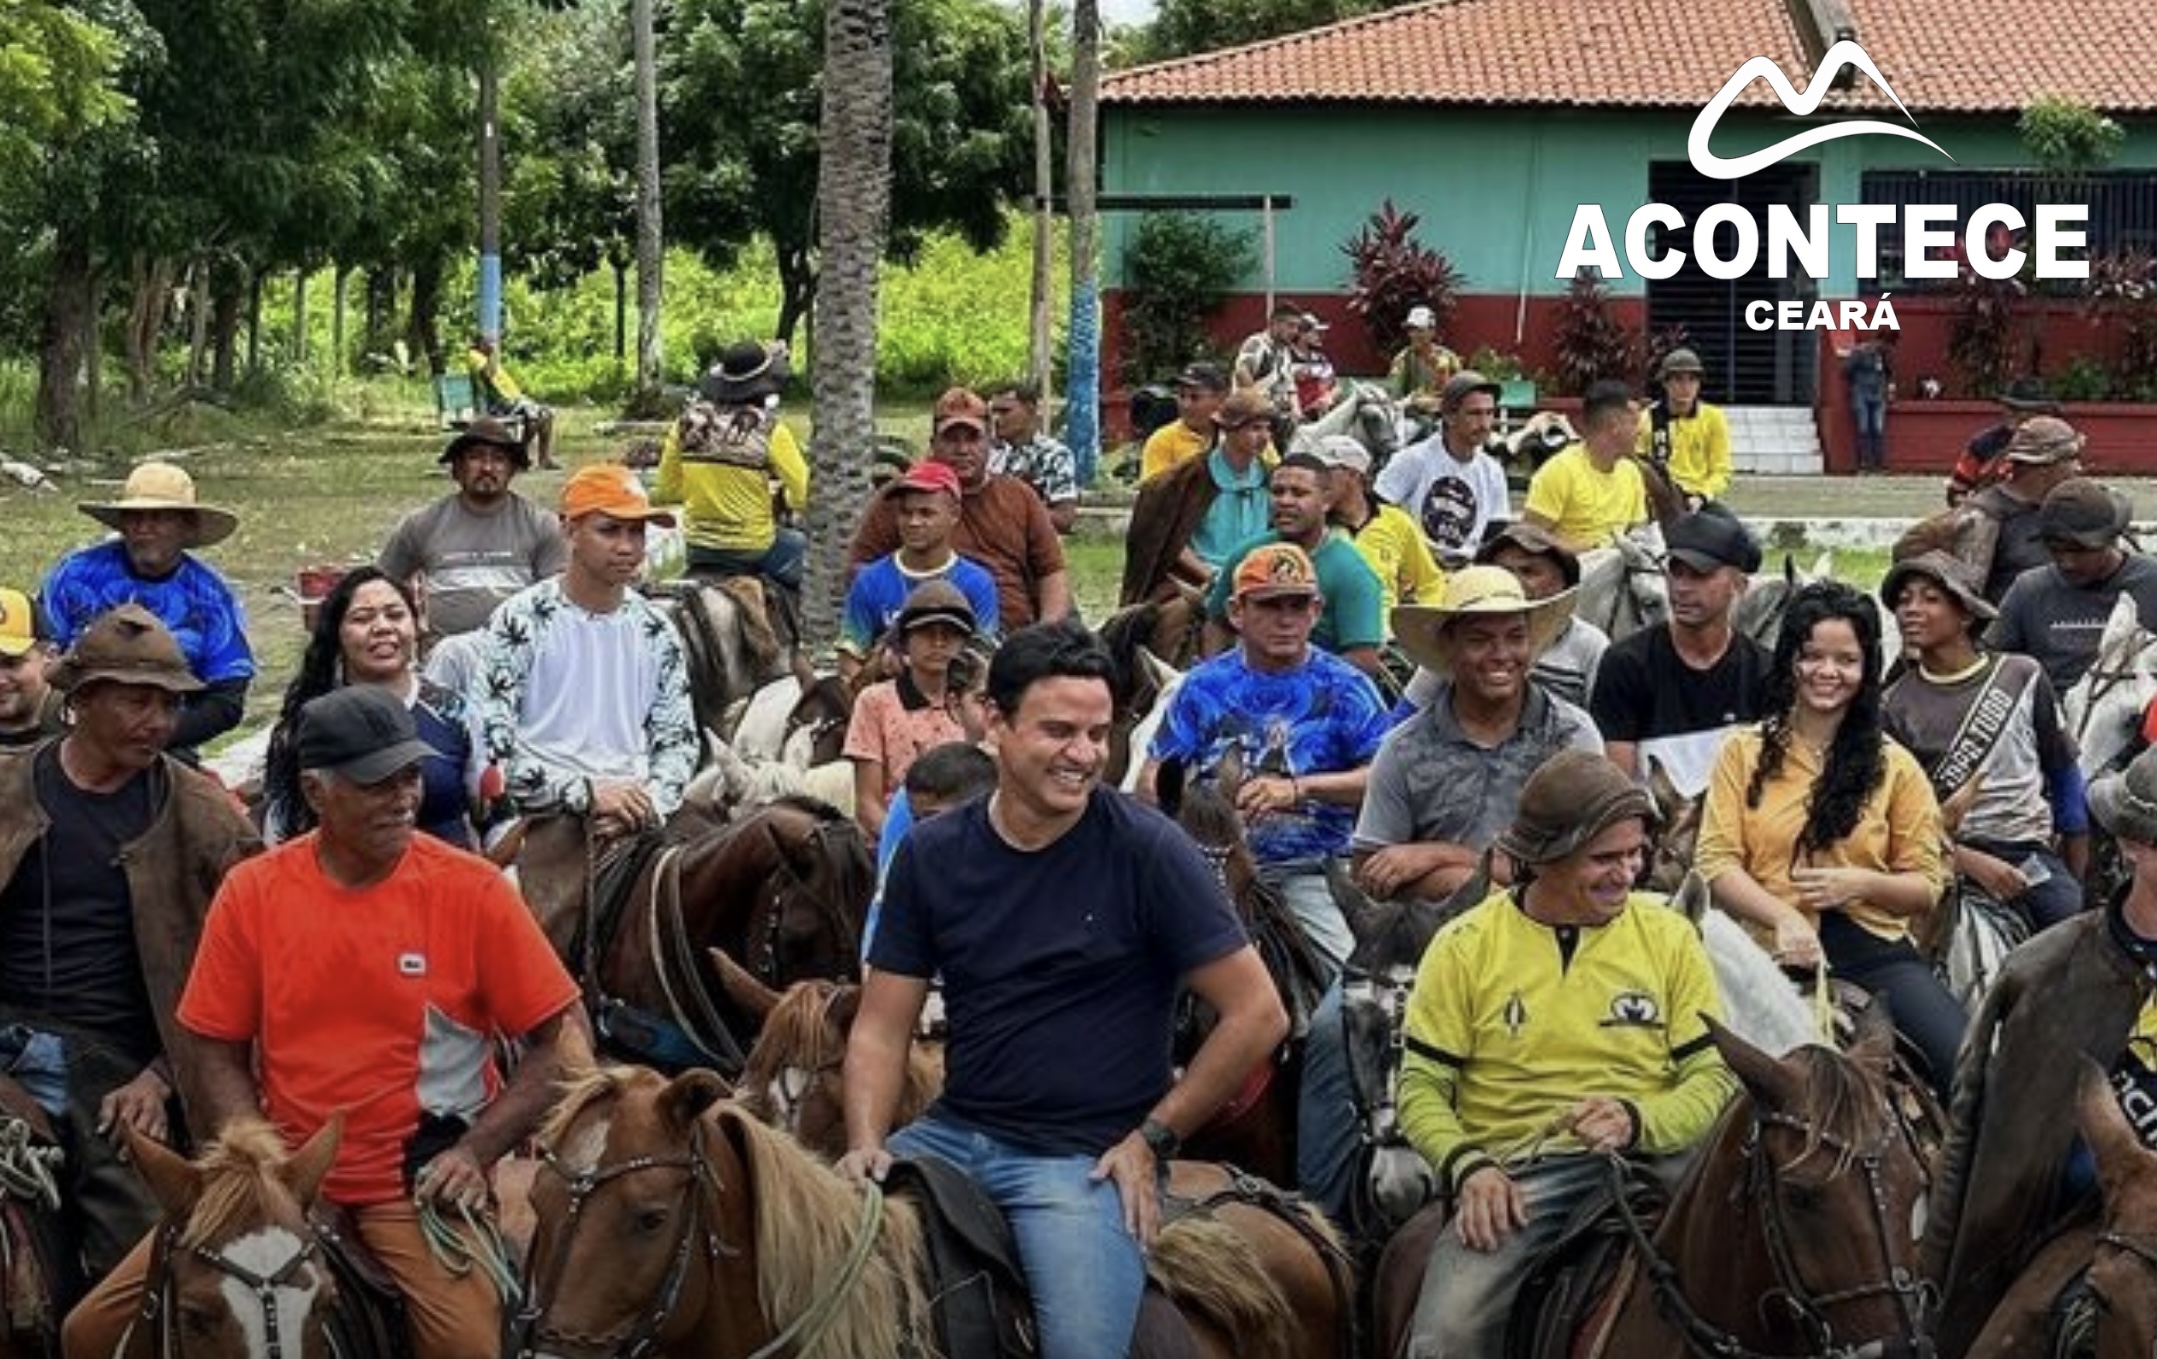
x=1822 y=834
x=368 y=633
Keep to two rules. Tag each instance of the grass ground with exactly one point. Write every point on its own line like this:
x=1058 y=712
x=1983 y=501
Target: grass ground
x=329 y=495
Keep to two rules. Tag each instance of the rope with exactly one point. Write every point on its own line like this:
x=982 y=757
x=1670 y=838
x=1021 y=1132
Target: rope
x=483 y=1250
x=28 y=1171
x=1823 y=1004
x=802 y=1333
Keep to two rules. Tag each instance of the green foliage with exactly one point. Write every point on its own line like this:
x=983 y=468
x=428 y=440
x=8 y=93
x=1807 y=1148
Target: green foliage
x=2085 y=378
x=1498 y=367
x=1982 y=337
x=2066 y=137
x=1178 y=270
x=1394 y=272
x=1591 y=343
x=2121 y=295
x=1182 y=27
x=56 y=82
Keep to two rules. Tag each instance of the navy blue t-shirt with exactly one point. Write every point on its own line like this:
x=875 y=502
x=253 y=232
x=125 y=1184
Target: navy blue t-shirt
x=1060 y=966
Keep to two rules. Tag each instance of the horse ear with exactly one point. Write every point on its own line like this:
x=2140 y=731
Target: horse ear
x=1667 y=797
x=173 y=1182
x=1823 y=567
x=2112 y=1141
x=1228 y=774
x=1168 y=781
x=742 y=987
x=688 y=1095
x=310 y=1165
x=1874 y=1041
x=1790 y=570
x=1691 y=898
x=1771 y=1083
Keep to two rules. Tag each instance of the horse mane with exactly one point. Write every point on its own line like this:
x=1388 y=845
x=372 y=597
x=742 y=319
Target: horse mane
x=1124 y=632
x=241 y=1183
x=807 y=1216
x=797 y=1033
x=580 y=1090
x=1843 y=1098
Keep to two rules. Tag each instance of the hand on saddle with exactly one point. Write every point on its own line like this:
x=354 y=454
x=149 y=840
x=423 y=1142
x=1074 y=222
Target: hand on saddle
x=455 y=1179
x=1602 y=1124
x=1490 y=1209
x=139 y=1104
x=1268 y=793
x=621 y=808
x=1133 y=1166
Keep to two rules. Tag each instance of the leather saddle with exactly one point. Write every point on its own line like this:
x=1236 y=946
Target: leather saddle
x=369 y=1320
x=1571 y=1295
x=978 y=1289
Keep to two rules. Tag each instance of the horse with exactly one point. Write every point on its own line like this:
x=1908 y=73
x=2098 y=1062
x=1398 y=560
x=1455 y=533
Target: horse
x=2104 y=708
x=1143 y=681
x=1670 y=859
x=2091 y=1290
x=673 y=1223
x=1622 y=587
x=1366 y=412
x=785 y=891
x=1759 y=611
x=237 y=1265
x=729 y=639
x=801 y=727
x=38 y=1269
x=1793 y=1232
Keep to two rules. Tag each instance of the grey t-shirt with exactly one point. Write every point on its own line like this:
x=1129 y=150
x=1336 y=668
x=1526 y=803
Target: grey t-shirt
x=2060 y=625
x=1431 y=784
x=473 y=562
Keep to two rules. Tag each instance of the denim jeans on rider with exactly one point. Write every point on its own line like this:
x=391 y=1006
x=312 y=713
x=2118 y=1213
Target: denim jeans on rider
x=1086 y=1273
x=1926 y=1013
x=782 y=561
x=1467 y=1298
x=2057 y=898
x=1327 y=1133
x=1302 y=885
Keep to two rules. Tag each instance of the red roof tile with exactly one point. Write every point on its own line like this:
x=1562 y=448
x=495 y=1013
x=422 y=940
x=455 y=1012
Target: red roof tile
x=1969 y=56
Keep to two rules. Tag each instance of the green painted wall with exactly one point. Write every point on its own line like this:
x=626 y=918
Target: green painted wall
x=1496 y=189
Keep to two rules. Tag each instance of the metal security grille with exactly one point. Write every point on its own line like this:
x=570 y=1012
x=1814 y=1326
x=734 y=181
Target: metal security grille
x=2122 y=203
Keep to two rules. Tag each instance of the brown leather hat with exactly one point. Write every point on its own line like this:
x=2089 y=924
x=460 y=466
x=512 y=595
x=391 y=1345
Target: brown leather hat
x=128 y=645
x=1572 y=798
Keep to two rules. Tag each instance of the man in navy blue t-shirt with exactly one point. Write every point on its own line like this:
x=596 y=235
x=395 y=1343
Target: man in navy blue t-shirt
x=1062 y=918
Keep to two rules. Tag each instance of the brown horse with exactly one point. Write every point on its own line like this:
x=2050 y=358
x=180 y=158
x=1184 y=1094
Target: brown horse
x=673 y=1224
x=38 y=1269
x=236 y=1269
x=785 y=891
x=1794 y=1231
x=2093 y=1289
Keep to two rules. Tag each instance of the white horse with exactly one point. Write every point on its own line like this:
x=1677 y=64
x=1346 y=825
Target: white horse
x=1759 y=611
x=1167 y=680
x=1623 y=589
x=2104 y=709
x=1760 y=1002
x=1365 y=412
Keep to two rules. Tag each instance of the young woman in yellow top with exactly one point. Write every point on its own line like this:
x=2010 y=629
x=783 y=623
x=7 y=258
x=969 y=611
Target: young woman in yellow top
x=1823 y=834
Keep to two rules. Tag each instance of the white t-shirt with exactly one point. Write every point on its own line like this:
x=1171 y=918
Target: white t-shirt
x=1453 y=501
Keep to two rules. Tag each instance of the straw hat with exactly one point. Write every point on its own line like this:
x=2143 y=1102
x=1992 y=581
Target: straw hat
x=163 y=486
x=1476 y=591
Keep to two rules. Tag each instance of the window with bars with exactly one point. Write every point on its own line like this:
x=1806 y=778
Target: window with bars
x=2122 y=203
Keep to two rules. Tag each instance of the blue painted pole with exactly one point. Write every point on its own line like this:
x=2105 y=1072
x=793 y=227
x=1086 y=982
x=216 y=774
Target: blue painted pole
x=1082 y=381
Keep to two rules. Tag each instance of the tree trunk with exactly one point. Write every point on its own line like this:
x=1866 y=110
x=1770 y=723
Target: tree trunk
x=228 y=281
x=381 y=290
x=621 y=309
x=651 y=240
x=151 y=281
x=198 y=318
x=93 y=353
x=254 y=323
x=853 y=198
x=1044 y=187
x=338 y=275
x=420 y=331
x=797 y=290
x=1082 y=375
x=299 y=315
x=70 y=308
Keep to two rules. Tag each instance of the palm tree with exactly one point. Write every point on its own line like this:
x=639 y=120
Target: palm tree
x=853 y=200
x=651 y=242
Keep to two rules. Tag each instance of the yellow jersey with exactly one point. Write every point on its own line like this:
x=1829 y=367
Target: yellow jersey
x=1400 y=556
x=1587 y=507
x=1699 y=449
x=725 y=507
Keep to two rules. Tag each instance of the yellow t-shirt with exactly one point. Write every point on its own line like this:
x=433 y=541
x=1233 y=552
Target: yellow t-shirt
x=1401 y=558
x=728 y=508
x=503 y=385
x=1898 y=830
x=1586 y=507
x=1699 y=449
x=1172 y=445
x=1503 y=1032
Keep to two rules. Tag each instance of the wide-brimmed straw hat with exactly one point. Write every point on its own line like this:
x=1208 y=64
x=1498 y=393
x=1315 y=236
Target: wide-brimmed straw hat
x=2126 y=803
x=126 y=645
x=164 y=486
x=1476 y=592
x=1570 y=799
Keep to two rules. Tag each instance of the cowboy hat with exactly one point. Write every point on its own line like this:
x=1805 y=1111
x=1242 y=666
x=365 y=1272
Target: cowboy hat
x=746 y=374
x=488 y=432
x=126 y=645
x=1470 y=592
x=163 y=486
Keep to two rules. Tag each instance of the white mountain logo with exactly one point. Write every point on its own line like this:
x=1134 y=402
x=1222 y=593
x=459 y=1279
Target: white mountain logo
x=1842 y=54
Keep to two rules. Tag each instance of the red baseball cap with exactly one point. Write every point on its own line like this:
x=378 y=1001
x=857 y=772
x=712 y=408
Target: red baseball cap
x=930 y=475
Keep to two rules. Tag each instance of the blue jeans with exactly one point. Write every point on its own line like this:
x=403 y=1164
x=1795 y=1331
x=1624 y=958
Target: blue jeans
x=1468 y=1296
x=2057 y=898
x=1926 y=1013
x=1327 y=1136
x=782 y=561
x=1086 y=1273
x=1302 y=885
x=1870 y=415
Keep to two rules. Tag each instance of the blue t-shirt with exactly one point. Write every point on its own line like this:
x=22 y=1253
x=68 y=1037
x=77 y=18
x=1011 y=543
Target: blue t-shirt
x=1321 y=718
x=193 y=602
x=879 y=592
x=898 y=820
x=1060 y=965
x=1354 y=615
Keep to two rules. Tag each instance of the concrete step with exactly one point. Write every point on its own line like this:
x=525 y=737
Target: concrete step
x=1775 y=440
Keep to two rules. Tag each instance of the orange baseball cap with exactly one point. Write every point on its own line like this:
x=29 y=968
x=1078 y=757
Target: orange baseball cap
x=613 y=490
x=1273 y=569
x=960 y=406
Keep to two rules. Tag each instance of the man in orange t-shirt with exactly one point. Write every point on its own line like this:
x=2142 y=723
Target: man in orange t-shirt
x=369 y=970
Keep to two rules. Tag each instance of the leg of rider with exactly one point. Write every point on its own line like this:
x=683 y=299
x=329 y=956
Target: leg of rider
x=98 y=1324
x=1467 y=1298
x=109 y=1199
x=1926 y=1014
x=1326 y=1131
x=2057 y=898
x=789 y=552
x=1303 y=886
x=452 y=1317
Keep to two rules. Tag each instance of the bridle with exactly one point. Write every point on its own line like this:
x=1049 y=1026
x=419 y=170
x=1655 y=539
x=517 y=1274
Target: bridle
x=158 y=1307
x=2113 y=667
x=636 y=1340
x=788 y=885
x=1915 y=1297
x=2138 y=1249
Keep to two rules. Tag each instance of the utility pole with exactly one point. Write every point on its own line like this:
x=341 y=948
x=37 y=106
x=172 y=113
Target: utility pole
x=490 y=197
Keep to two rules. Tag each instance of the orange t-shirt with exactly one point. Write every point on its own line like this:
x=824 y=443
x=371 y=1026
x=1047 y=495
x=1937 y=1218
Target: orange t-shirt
x=381 y=1002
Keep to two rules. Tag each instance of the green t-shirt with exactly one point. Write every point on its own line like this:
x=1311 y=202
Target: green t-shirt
x=1354 y=615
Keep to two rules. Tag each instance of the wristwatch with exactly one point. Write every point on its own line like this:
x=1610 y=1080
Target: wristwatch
x=1161 y=1138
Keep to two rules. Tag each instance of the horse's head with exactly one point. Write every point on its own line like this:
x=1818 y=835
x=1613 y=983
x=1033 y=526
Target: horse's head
x=2123 y=1268
x=628 y=1222
x=809 y=871
x=816 y=728
x=2104 y=708
x=236 y=1268
x=1833 y=1173
x=792 y=1077
x=1680 y=817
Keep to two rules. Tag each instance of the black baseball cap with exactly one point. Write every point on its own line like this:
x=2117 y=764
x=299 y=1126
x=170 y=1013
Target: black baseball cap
x=361 y=733
x=1210 y=376
x=1712 y=538
x=2084 y=513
